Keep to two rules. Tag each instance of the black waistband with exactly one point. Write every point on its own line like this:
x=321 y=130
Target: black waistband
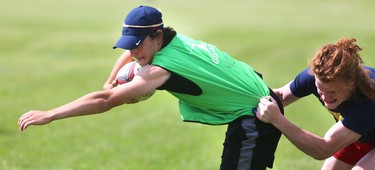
x=278 y=101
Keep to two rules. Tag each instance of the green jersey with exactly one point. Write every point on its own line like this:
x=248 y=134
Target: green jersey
x=230 y=88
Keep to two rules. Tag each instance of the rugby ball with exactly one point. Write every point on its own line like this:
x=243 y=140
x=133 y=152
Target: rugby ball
x=127 y=73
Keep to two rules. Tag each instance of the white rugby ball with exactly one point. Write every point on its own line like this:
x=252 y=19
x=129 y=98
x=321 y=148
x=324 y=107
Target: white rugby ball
x=127 y=73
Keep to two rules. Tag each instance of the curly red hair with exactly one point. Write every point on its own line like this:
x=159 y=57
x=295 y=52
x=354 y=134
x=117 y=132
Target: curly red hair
x=341 y=61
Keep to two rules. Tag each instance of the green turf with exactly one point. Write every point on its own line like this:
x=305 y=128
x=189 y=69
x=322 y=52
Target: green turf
x=52 y=52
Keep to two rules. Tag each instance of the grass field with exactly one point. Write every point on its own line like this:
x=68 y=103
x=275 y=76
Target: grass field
x=52 y=52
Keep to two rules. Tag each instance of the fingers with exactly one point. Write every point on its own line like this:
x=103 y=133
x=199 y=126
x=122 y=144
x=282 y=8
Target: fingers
x=34 y=117
x=22 y=122
x=29 y=118
x=25 y=121
x=108 y=86
x=263 y=108
x=114 y=83
x=260 y=114
x=266 y=100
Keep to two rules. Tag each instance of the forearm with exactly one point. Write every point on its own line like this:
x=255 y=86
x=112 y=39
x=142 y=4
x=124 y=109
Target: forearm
x=307 y=142
x=337 y=137
x=91 y=103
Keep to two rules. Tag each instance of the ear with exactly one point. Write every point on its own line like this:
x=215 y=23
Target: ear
x=160 y=35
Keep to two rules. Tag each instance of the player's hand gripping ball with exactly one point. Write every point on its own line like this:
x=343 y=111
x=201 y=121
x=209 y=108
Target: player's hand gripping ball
x=127 y=73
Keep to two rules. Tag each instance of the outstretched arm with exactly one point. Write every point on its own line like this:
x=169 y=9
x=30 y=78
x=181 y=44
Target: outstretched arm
x=148 y=79
x=337 y=137
x=88 y=104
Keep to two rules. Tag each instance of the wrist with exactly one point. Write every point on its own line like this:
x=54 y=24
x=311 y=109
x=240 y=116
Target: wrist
x=50 y=116
x=278 y=121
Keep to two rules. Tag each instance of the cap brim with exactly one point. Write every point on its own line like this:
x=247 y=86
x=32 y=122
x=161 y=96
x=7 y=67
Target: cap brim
x=129 y=42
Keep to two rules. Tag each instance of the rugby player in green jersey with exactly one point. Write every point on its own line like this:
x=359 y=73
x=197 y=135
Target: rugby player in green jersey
x=213 y=88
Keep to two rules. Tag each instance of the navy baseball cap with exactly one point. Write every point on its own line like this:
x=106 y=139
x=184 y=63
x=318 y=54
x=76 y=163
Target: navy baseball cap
x=139 y=23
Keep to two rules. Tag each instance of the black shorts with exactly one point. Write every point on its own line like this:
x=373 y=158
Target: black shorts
x=250 y=144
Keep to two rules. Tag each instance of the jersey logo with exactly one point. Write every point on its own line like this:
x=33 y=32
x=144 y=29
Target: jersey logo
x=209 y=49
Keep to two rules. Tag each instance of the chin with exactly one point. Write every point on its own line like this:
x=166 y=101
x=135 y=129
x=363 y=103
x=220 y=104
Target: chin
x=331 y=106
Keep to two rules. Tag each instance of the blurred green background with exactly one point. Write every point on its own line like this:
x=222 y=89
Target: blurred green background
x=52 y=52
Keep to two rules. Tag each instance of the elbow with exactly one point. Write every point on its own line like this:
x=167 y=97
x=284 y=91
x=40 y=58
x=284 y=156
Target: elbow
x=104 y=104
x=322 y=155
x=318 y=152
x=105 y=101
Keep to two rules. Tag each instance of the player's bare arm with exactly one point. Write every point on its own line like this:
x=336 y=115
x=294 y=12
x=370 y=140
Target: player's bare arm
x=285 y=95
x=317 y=147
x=147 y=80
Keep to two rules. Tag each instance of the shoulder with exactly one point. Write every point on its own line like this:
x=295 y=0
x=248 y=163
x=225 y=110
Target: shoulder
x=153 y=71
x=303 y=84
x=154 y=74
x=305 y=74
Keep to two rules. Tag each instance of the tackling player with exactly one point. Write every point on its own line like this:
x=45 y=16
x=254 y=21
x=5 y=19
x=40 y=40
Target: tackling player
x=343 y=85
